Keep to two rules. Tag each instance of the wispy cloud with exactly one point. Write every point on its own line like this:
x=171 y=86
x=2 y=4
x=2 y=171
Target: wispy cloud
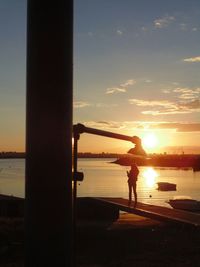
x=119 y=32
x=175 y=83
x=122 y=88
x=179 y=127
x=163 y=22
x=103 y=105
x=145 y=103
x=194 y=29
x=166 y=91
x=192 y=59
x=113 y=90
x=164 y=125
x=128 y=83
x=183 y=26
x=148 y=81
x=81 y=104
x=184 y=92
x=164 y=107
x=104 y=124
x=187 y=93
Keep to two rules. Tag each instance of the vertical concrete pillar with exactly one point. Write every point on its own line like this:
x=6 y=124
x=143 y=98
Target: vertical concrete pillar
x=48 y=187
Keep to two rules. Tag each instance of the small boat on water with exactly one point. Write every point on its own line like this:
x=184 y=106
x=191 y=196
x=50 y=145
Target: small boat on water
x=164 y=186
x=184 y=203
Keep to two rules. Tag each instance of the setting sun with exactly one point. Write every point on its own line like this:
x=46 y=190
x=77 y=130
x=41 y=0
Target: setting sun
x=150 y=140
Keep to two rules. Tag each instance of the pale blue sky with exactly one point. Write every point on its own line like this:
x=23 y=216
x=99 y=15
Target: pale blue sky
x=12 y=74
x=134 y=62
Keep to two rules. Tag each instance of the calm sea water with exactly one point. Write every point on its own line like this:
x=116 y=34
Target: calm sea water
x=102 y=178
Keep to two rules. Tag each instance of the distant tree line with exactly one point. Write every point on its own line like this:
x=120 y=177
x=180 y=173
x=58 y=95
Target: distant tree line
x=98 y=155
x=12 y=155
x=159 y=160
x=164 y=160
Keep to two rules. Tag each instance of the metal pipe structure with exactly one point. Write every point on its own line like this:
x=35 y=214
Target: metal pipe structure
x=48 y=183
x=80 y=128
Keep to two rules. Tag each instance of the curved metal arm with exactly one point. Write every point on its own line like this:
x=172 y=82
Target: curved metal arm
x=80 y=128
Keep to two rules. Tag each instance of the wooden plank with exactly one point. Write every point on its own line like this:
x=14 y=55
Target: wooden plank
x=155 y=212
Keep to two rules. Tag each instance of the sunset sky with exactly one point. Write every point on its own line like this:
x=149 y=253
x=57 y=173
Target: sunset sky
x=136 y=72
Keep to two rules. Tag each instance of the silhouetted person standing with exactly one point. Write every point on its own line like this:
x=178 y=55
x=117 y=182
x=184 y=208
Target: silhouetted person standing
x=132 y=183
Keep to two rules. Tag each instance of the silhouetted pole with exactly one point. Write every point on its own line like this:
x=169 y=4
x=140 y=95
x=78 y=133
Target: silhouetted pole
x=48 y=189
x=75 y=169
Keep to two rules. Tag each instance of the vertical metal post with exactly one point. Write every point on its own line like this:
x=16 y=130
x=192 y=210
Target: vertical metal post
x=48 y=187
x=76 y=136
x=75 y=162
x=75 y=159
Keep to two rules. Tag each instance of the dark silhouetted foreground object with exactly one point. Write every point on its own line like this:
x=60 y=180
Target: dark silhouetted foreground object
x=132 y=183
x=94 y=210
x=48 y=192
x=12 y=207
x=159 y=213
x=138 y=149
x=165 y=186
x=80 y=128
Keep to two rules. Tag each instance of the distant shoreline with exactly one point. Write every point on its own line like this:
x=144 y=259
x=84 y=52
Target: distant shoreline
x=5 y=155
x=155 y=160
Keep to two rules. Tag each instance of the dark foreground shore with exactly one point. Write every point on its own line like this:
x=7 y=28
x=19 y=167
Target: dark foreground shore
x=137 y=241
x=130 y=241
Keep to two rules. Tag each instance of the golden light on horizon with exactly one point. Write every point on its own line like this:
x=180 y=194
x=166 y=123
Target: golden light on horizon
x=150 y=176
x=150 y=141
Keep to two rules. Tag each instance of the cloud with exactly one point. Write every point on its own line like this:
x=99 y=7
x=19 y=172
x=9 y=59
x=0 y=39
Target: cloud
x=183 y=26
x=187 y=93
x=175 y=83
x=184 y=92
x=187 y=96
x=163 y=22
x=113 y=90
x=194 y=29
x=144 y=103
x=166 y=91
x=148 y=81
x=128 y=83
x=179 y=127
x=104 y=124
x=192 y=105
x=192 y=59
x=164 y=107
x=103 y=105
x=119 y=32
x=80 y=104
x=122 y=88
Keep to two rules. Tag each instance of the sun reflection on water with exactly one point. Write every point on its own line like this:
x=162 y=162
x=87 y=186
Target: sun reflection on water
x=150 y=176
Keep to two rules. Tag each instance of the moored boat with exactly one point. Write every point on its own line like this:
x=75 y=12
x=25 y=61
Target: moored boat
x=165 y=186
x=185 y=204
